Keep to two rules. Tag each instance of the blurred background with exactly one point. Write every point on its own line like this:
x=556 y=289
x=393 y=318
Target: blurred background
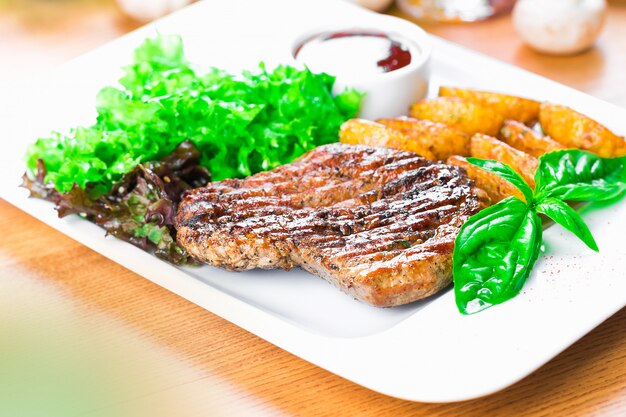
x=37 y=35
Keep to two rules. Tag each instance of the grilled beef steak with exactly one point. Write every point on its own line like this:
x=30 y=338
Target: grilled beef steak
x=378 y=223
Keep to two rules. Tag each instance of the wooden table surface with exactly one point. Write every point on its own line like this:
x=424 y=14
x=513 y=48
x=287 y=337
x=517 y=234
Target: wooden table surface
x=81 y=335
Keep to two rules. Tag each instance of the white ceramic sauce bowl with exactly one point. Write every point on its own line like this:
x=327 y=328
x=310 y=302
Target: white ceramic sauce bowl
x=387 y=94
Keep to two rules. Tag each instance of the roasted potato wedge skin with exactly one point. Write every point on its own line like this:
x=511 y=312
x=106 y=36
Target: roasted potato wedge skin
x=458 y=113
x=487 y=147
x=496 y=187
x=575 y=130
x=365 y=132
x=520 y=137
x=510 y=107
x=441 y=140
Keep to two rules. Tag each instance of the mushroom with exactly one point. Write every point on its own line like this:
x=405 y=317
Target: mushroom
x=147 y=10
x=559 y=27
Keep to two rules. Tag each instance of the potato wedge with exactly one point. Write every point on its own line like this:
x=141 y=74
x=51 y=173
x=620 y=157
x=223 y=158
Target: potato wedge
x=575 y=130
x=441 y=140
x=496 y=187
x=487 y=147
x=520 y=137
x=365 y=132
x=510 y=107
x=461 y=114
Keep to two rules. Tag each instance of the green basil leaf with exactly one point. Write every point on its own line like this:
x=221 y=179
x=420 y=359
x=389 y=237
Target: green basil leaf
x=494 y=254
x=505 y=172
x=579 y=176
x=567 y=217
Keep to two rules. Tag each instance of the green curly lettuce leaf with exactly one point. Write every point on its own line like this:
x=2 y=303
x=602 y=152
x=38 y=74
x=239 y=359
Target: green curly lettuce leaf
x=140 y=208
x=240 y=124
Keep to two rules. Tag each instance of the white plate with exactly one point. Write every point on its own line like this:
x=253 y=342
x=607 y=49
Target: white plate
x=426 y=351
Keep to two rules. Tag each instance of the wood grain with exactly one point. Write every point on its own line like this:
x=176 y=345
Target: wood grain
x=153 y=353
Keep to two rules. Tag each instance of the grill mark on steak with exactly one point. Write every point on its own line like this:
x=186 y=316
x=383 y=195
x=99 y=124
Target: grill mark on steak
x=339 y=212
